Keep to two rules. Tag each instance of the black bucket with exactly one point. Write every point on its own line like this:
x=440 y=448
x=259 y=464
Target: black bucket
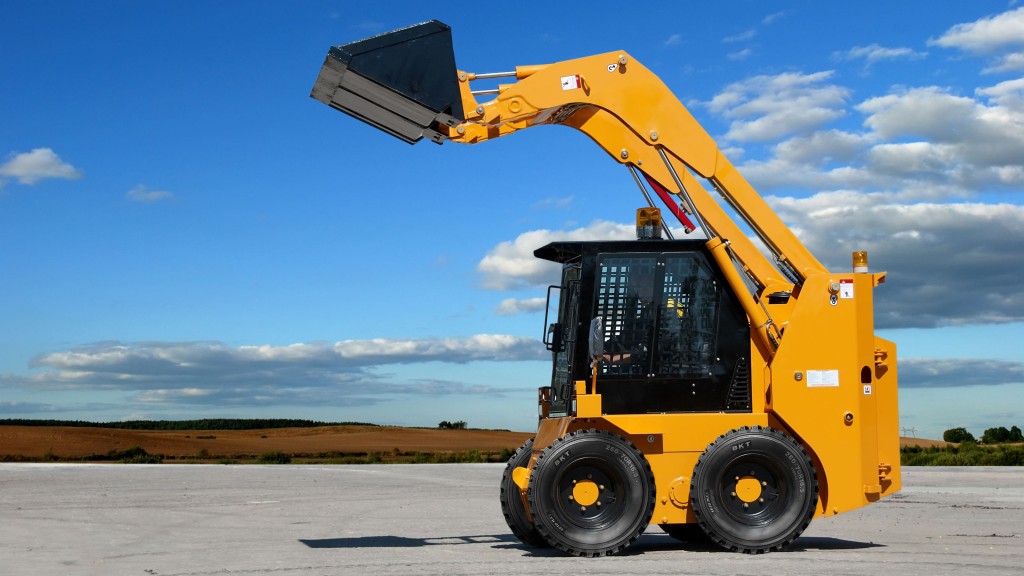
x=403 y=82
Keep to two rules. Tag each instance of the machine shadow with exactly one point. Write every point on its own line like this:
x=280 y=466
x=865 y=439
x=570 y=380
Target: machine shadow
x=826 y=543
x=385 y=541
x=654 y=542
x=647 y=543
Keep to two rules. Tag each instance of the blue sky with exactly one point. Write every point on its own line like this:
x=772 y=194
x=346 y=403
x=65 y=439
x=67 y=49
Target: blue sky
x=184 y=233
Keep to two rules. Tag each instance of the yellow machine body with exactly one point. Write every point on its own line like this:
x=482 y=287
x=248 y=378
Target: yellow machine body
x=823 y=386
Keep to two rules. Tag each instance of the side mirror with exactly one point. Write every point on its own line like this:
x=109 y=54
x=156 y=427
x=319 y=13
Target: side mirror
x=554 y=338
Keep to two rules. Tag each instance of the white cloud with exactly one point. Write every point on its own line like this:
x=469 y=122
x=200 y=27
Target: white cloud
x=958 y=139
x=512 y=265
x=741 y=37
x=765 y=108
x=513 y=306
x=986 y=35
x=948 y=264
x=145 y=360
x=1009 y=94
x=928 y=112
x=1000 y=37
x=958 y=372
x=874 y=53
x=553 y=202
x=39 y=164
x=144 y=195
x=740 y=55
x=674 y=40
x=923 y=142
x=345 y=373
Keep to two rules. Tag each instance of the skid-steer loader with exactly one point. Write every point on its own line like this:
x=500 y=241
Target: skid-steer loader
x=696 y=384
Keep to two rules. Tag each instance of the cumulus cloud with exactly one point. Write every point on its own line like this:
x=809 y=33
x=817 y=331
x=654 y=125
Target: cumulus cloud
x=39 y=164
x=948 y=137
x=512 y=265
x=765 y=108
x=925 y=142
x=999 y=37
x=949 y=264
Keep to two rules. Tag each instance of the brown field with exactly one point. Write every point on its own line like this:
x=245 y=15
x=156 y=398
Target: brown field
x=922 y=442
x=72 y=443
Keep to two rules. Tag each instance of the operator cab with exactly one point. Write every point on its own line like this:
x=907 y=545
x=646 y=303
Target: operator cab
x=656 y=319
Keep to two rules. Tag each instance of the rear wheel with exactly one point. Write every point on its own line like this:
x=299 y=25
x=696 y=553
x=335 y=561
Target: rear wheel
x=591 y=493
x=754 y=490
x=512 y=501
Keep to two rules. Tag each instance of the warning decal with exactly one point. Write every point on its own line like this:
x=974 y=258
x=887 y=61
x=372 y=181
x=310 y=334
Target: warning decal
x=846 y=289
x=822 y=378
x=571 y=82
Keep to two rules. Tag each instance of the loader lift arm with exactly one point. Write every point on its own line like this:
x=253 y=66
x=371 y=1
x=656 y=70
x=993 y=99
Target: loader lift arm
x=406 y=83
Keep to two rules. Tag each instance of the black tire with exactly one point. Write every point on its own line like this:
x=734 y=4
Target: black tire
x=591 y=493
x=754 y=490
x=512 y=503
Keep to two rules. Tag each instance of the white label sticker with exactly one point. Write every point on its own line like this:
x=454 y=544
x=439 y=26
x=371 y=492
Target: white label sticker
x=822 y=378
x=846 y=289
x=571 y=82
x=867 y=389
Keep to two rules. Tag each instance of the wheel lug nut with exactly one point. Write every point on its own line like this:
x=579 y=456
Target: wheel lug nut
x=745 y=505
x=733 y=494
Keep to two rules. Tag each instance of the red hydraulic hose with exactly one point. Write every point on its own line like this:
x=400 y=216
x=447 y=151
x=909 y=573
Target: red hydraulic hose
x=666 y=197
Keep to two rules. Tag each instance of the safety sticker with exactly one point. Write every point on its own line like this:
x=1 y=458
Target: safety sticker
x=822 y=378
x=571 y=82
x=846 y=289
x=867 y=389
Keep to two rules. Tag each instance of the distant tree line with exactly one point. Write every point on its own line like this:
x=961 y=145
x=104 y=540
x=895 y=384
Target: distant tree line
x=1000 y=435
x=204 y=424
x=963 y=454
x=457 y=425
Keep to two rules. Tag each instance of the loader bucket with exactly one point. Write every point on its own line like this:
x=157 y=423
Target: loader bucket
x=403 y=82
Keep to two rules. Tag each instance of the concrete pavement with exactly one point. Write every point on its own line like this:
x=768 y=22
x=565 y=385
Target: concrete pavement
x=87 y=519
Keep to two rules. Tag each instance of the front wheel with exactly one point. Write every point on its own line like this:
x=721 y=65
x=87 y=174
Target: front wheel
x=754 y=490
x=512 y=506
x=591 y=493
